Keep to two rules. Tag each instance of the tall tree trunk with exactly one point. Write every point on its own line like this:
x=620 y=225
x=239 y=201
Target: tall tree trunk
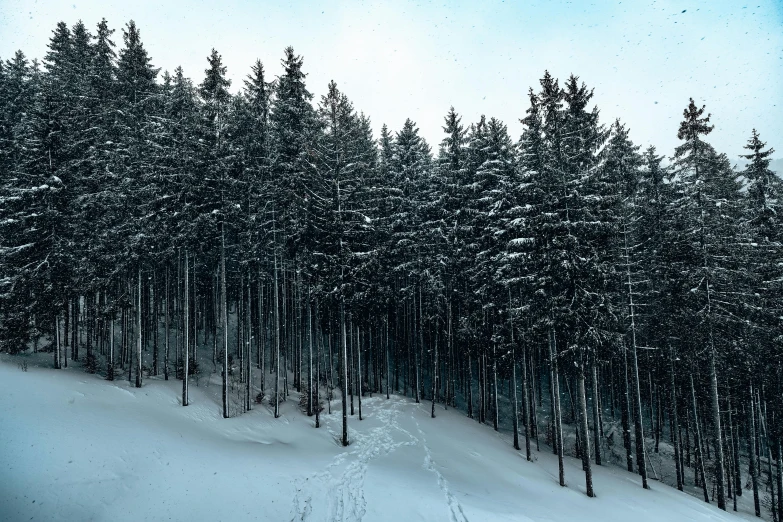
x=57 y=342
x=717 y=433
x=166 y=330
x=779 y=480
x=239 y=325
x=351 y=364
x=525 y=401
x=186 y=333
x=434 y=376
x=138 y=332
x=154 y=326
x=129 y=333
x=625 y=413
x=75 y=330
x=674 y=424
x=418 y=350
x=359 y=368
x=177 y=317
x=66 y=307
x=277 y=343
x=318 y=341
x=735 y=451
x=753 y=463
x=765 y=434
x=584 y=429
x=249 y=349
x=386 y=344
x=699 y=447
x=310 y=357
x=558 y=433
x=344 y=351
x=261 y=347
x=515 y=417
x=495 y=385
x=224 y=319
x=470 y=385
x=596 y=423
x=110 y=372
x=533 y=415
x=637 y=415
x=330 y=375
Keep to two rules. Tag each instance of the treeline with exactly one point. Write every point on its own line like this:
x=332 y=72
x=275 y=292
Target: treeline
x=149 y=224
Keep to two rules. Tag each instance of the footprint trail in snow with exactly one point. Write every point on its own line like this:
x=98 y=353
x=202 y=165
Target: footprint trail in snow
x=338 y=495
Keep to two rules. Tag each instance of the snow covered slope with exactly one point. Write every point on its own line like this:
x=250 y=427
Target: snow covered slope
x=74 y=447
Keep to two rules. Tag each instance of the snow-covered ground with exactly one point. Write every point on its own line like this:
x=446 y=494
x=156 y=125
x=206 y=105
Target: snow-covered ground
x=75 y=447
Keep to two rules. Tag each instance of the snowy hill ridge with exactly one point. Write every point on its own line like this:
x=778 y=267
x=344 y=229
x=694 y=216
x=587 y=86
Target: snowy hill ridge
x=77 y=448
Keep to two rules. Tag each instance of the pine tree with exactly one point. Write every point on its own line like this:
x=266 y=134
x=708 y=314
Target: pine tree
x=293 y=122
x=708 y=203
x=622 y=165
x=137 y=93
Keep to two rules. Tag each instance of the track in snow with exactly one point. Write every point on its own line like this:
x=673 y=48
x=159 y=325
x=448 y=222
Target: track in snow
x=339 y=496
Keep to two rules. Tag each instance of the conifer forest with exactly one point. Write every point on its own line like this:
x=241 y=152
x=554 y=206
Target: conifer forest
x=589 y=297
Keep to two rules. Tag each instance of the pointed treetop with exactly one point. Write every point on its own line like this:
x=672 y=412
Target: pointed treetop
x=215 y=86
x=103 y=42
x=256 y=87
x=693 y=124
x=135 y=72
x=57 y=56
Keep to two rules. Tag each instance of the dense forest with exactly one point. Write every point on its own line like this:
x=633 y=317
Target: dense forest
x=151 y=226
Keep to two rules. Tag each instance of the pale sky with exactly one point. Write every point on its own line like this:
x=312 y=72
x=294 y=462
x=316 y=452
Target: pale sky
x=415 y=58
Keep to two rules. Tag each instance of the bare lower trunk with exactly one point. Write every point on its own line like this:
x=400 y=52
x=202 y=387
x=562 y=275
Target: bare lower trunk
x=779 y=480
x=249 y=344
x=596 y=424
x=637 y=416
x=753 y=462
x=224 y=319
x=186 y=334
x=626 y=412
x=470 y=386
x=434 y=378
x=359 y=368
x=166 y=331
x=277 y=344
x=495 y=385
x=765 y=434
x=717 y=434
x=558 y=433
x=516 y=404
x=525 y=402
x=310 y=358
x=585 y=432
x=674 y=425
x=699 y=446
x=138 y=332
x=154 y=325
x=57 y=342
x=344 y=384
x=110 y=372
x=419 y=349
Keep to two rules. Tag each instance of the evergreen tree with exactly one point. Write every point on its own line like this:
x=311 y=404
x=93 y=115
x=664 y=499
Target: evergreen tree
x=707 y=203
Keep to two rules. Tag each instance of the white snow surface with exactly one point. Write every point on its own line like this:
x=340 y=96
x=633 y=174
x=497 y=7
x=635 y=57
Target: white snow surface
x=74 y=447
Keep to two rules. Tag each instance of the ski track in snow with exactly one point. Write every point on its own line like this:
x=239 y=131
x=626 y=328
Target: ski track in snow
x=344 y=492
x=345 y=499
x=455 y=508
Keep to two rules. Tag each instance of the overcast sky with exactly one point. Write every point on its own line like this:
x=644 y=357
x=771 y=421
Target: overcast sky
x=414 y=59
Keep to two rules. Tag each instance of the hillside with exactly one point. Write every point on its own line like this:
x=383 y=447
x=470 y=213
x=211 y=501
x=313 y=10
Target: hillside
x=76 y=447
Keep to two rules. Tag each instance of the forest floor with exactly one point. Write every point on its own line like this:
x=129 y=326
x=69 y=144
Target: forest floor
x=75 y=447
